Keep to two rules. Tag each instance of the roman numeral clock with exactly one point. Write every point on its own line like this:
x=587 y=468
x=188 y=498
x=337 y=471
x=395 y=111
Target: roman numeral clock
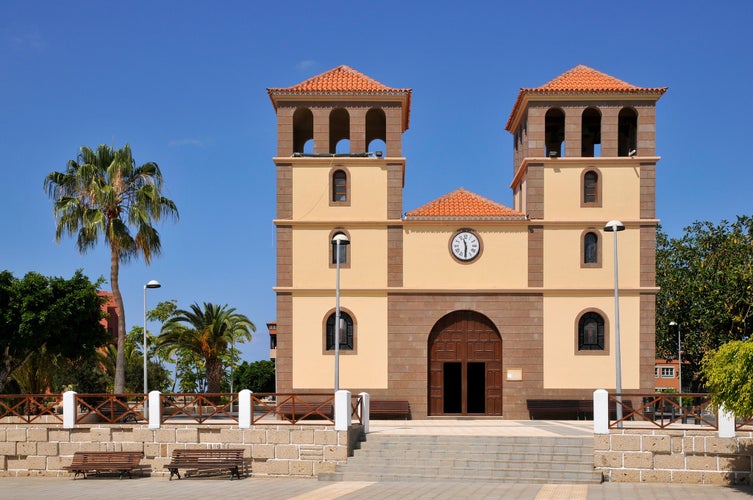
x=465 y=245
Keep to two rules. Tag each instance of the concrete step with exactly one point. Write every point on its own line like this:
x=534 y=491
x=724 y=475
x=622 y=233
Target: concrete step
x=479 y=458
x=529 y=477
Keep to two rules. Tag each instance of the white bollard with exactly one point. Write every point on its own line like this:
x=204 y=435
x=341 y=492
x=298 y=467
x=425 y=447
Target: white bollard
x=155 y=410
x=726 y=423
x=69 y=410
x=244 y=409
x=365 y=411
x=601 y=411
x=342 y=410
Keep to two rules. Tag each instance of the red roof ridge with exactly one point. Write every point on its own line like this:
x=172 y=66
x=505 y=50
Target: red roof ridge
x=464 y=204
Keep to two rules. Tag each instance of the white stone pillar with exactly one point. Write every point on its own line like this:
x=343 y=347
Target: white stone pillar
x=244 y=409
x=365 y=411
x=342 y=410
x=69 y=410
x=155 y=410
x=726 y=423
x=601 y=411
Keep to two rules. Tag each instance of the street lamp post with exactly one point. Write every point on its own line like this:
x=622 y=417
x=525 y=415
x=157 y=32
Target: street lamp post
x=614 y=226
x=338 y=240
x=679 y=356
x=151 y=284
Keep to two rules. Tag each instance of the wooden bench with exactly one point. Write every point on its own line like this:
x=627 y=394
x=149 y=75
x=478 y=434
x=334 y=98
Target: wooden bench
x=380 y=408
x=555 y=409
x=570 y=409
x=204 y=459
x=122 y=462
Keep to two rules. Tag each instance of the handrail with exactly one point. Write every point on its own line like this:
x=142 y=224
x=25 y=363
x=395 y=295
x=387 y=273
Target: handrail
x=293 y=407
x=662 y=410
x=220 y=408
x=111 y=408
x=30 y=407
x=198 y=407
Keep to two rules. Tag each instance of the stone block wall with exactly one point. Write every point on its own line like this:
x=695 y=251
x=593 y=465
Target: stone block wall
x=272 y=450
x=674 y=456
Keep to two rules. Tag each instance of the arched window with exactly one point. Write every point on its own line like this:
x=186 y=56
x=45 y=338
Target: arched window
x=339 y=186
x=590 y=144
x=627 y=135
x=339 y=128
x=554 y=124
x=591 y=332
x=303 y=130
x=376 y=130
x=591 y=189
x=591 y=249
x=346 y=332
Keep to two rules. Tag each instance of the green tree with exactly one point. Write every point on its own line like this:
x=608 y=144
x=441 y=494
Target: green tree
x=706 y=286
x=58 y=316
x=206 y=332
x=104 y=195
x=258 y=376
x=726 y=372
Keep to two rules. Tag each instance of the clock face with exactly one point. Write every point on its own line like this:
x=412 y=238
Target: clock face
x=465 y=246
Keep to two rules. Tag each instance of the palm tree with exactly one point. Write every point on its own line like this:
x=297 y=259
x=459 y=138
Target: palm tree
x=207 y=332
x=103 y=194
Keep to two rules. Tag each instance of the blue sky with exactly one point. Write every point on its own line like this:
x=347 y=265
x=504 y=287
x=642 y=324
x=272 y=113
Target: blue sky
x=184 y=82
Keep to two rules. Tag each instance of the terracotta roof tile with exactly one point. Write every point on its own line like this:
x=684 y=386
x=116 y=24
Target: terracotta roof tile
x=340 y=79
x=346 y=81
x=582 y=80
x=463 y=204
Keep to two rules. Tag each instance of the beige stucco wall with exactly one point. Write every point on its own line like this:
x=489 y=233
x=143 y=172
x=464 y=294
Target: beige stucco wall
x=368 y=258
x=564 y=369
x=502 y=264
x=364 y=368
x=368 y=191
x=620 y=192
x=563 y=256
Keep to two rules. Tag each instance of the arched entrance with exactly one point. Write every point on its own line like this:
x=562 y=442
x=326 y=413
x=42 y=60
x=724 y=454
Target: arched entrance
x=465 y=366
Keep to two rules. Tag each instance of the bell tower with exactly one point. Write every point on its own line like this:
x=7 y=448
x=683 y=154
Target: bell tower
x=584 y=154
x=340 y=170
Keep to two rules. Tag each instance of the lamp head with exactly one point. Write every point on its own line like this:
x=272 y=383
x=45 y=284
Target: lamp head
x=153 y=284
x=340 y=239
x=614 y=225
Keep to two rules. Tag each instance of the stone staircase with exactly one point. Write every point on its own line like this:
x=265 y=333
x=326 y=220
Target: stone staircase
x=384 y=457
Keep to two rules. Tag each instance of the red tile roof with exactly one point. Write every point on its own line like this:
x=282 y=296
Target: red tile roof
x=463 y=204
x=582 y=80
x=343 y=81
x=340 y=79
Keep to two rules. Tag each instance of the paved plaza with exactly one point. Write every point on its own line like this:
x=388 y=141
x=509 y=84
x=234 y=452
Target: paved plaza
x=159 y=487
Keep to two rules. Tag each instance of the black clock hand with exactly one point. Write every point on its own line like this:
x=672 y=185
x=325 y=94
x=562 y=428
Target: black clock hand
x=465 y=249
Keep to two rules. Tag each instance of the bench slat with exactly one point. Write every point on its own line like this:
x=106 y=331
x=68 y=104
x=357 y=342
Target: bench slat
x=100 y=461
x=227 y=458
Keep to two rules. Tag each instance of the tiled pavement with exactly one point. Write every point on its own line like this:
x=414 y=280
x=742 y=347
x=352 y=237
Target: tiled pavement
x=38 y=488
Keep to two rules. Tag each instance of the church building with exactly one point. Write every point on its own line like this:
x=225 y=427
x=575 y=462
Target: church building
x=463 y=306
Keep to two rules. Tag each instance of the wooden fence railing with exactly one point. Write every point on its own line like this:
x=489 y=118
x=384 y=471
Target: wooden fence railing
x=30 y=408
x=221 y=408
x=661 y=410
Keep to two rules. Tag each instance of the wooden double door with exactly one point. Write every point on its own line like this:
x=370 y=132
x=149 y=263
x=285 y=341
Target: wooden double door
x=465 y=366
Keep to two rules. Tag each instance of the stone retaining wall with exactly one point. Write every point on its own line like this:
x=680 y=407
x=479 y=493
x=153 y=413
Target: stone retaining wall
x=272 y=450
x=676 y=456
